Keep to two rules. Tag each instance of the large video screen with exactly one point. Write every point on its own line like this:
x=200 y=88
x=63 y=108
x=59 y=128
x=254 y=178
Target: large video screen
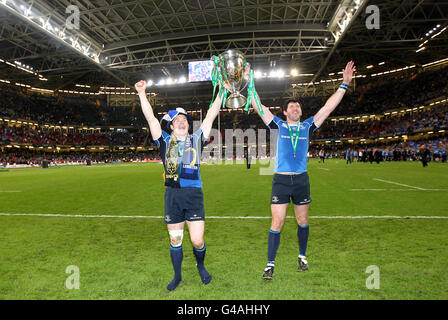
x=200 y=70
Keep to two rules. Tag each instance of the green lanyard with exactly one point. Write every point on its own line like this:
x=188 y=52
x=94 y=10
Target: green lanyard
x=181 y=149
x=294 y=137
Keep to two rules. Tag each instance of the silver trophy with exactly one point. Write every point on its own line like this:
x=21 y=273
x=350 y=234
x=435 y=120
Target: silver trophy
x=232 y=64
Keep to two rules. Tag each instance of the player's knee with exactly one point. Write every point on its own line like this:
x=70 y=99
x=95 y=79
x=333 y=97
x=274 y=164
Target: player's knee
x=277 y=224
x=197 y=243
x=197 y=239
x=176 y=237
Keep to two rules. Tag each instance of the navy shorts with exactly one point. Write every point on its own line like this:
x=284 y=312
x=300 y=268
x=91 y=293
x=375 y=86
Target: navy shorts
x=287 y=187
x=184 y=204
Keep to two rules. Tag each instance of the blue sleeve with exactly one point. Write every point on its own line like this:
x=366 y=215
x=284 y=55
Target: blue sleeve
x=312 y=126
x=199 y=135
x=275 y=123
x=162 y=139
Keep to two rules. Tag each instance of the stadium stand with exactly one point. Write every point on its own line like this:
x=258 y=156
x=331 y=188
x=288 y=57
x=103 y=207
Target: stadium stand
x=73 y=130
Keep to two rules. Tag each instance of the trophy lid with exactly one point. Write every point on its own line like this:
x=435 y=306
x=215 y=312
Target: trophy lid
x=231 y=63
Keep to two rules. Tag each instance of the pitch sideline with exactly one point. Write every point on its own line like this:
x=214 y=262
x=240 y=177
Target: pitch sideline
x=213 y=217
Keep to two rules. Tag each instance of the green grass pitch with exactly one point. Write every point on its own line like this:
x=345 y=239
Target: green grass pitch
x=128 y=258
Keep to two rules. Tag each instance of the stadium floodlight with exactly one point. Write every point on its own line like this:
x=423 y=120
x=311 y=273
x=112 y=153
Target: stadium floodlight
x=53 y=25
x=277 y=74
x=345 y=14
x=438 y=33
x=294 y=72
x=182 y=79
x=169 y=81
x=435 y=62
x=23 y=67
x=280 y=74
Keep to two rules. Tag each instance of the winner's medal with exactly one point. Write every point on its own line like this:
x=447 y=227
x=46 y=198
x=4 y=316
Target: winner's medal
x=294 y=137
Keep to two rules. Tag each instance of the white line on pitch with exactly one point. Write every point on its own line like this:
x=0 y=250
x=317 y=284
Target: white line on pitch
x=216 y=217
x=399 y=184
x=324 y=169
x=398 y=190
x=383 y=190
x=79 y=215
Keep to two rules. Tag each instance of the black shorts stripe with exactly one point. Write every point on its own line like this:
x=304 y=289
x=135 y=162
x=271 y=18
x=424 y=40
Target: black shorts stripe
x=184 y=204
x=291 y=187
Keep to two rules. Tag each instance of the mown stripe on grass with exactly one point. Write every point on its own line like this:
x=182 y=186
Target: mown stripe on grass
x=214 y=217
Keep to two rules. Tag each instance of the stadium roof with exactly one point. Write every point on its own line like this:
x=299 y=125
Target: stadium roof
x=120 y=42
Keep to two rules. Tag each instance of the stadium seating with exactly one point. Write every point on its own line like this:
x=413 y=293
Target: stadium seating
x=34 y=126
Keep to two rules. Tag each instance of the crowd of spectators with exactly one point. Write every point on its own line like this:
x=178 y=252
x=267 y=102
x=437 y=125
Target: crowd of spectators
x=406 y=90
x=403 y=151
x=27 y=157
x=407 y=123
x=402 y=91
x=42 y=136
x=57 y=110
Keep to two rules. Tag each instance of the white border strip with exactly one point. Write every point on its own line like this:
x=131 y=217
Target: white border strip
x=215 y=217
x=398 y=190
x=399 y=184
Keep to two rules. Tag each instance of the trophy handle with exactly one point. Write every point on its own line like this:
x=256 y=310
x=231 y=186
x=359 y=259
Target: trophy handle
x=247 y=82
x=246 y=64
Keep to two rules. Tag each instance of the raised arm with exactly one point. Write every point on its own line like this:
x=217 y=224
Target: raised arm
x=267 y=115
x=154 y=125
x=336 y=98
x=212 y=113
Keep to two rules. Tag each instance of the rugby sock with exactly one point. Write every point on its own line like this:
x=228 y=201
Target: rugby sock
x=302 y=235
x=200 y=256
x=177 y=255
x=273 y=243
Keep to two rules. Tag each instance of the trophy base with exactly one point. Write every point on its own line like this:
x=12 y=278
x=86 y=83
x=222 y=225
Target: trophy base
x=236 y=101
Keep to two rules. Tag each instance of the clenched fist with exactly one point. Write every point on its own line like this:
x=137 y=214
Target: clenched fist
x=140 y=86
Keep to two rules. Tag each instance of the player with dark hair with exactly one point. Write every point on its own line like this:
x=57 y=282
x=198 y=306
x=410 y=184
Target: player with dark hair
x=348 y=156
x=247 y=157
x=322 y=156
x=425 y=155
x=291 y=180
x=181 y=155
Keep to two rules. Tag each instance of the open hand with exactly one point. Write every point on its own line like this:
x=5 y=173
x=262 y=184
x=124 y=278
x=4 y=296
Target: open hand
x=226 y=85
x=350 y=68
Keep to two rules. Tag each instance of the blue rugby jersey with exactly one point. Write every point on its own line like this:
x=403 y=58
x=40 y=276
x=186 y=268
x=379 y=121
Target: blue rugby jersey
x=284 y=158
x=163 y=143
